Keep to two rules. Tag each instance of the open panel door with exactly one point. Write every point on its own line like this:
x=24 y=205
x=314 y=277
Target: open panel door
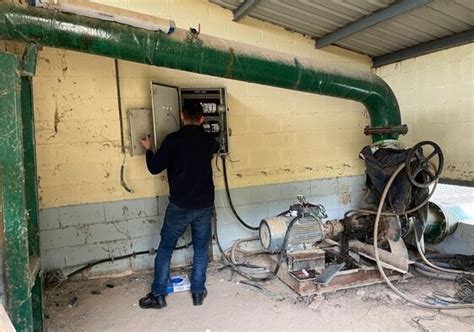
x=165 y=103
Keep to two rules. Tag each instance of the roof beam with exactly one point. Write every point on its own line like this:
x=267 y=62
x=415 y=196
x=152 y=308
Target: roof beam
x=366 y=22
x=457 y=39
x=244 y=9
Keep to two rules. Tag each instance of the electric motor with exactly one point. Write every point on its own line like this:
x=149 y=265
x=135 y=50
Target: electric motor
x=304 y=233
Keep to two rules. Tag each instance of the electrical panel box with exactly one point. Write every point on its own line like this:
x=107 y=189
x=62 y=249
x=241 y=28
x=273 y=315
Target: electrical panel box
x=140 y=125
x=169 y=101
x=165 y=105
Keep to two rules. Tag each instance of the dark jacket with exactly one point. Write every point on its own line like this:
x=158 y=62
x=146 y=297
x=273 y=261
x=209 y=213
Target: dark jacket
x=187 y=155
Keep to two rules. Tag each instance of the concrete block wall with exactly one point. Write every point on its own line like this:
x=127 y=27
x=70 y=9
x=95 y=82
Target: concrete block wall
x=283 y=142
x=74 y=235
x=277 y=135
x=436 y=97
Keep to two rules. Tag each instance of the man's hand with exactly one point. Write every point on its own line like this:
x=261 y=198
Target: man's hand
x=146 y=143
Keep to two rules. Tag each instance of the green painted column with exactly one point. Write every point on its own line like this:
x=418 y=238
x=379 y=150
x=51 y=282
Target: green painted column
x=31 y=192
x=37 y=303
x=28 y=69
x=16 y=264
x=29 y=157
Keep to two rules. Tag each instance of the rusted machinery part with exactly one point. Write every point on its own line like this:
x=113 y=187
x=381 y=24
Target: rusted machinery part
x=379 y=265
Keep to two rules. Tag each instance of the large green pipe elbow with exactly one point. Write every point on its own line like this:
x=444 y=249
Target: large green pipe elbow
x=205 y=55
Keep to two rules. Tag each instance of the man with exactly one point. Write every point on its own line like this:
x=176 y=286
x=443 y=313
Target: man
x=186 y=155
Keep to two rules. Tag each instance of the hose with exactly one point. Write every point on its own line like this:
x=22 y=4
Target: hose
x=444 y=257
x=235 y=248
x=229 y=198
x=272 y=274
x=112 y=259
x=377 y=258
x=432 y=273
x=435 y=267
x=392 y=214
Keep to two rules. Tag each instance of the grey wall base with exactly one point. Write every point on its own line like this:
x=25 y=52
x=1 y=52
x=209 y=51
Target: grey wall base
x=71 y=236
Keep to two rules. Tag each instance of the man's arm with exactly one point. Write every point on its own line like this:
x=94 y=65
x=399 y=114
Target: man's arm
x=158 y=162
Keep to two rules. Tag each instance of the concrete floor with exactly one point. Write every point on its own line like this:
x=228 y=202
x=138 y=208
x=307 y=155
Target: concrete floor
x=232 y=306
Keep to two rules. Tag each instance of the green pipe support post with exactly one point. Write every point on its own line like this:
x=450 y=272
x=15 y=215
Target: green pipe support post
x=16 y=265
x=204 y=55
x=28 y=69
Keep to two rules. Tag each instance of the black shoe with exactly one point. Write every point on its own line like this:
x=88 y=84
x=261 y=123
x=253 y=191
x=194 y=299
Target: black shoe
x=152 y=302
x=198 y=298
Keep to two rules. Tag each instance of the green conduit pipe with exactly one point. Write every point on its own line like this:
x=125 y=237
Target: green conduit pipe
x=204 y=55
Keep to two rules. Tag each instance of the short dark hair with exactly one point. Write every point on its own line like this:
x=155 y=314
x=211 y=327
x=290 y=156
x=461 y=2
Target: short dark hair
x=193 y=112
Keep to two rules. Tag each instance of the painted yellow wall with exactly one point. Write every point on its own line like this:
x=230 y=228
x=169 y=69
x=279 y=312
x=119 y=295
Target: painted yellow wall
x=277 y=135
x=436 y=96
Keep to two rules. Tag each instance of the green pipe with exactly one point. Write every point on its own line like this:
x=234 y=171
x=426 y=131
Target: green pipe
x=203 y=55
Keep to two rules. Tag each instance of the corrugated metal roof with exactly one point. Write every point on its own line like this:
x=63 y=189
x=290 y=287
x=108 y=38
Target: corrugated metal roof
x=434 y=20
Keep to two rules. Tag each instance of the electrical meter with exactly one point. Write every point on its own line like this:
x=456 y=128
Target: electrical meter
x=214 y=105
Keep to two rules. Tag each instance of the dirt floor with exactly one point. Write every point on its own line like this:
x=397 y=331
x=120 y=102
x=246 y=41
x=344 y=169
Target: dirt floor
x=91 y=305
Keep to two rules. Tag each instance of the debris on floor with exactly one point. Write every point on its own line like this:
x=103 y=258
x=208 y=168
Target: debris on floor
x=239 y=306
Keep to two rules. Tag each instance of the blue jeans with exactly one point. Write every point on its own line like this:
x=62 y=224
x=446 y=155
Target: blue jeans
x=174 y=225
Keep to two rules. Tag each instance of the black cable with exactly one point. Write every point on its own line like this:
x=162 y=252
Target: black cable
x=229 y=198
x=122 y=139
x=112 y=259
x=285 y=244
x=432 y=273
x=283 y=213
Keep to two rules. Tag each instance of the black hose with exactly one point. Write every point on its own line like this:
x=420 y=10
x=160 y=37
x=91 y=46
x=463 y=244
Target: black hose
x=112 y=259
x=445 y=257
x=283 y=213
x=432 y=273
x=285 y=244
x=229 y=198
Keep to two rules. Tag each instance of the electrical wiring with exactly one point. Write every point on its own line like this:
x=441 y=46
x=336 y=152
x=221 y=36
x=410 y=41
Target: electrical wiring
x=112 y=259
x=229 y=198
x=122 y=139
x=256 y=270
x=432 y=273
x=435 y=267
x=272 y=274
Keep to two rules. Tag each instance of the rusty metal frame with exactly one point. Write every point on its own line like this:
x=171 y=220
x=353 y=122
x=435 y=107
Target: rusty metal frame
x=363 y=276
